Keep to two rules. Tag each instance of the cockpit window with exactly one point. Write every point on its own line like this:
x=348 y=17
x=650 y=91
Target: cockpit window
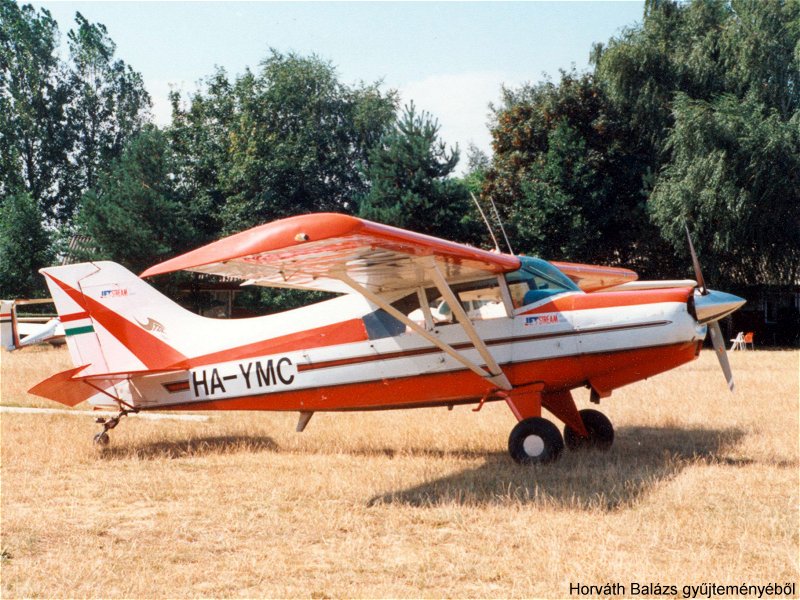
x=535 y=280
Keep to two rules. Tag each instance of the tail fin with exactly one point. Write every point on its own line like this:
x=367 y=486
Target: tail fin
x=115 y=322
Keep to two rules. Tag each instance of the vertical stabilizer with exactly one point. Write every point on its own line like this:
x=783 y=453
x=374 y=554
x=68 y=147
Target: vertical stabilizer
x=113 y=321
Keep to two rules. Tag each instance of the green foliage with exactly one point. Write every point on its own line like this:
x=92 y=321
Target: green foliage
x=110 y=106
x=135 y=215
x=702 y=49
x=712 y=96
x=478 y=164
x=567 y=180
x=199 y=137
x=288 y=140
x=410 y=185
x=34 y=138
x=61 y=124
x=24 y=247
x=735 y=175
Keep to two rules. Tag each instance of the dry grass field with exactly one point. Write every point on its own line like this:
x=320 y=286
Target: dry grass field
x=701 y=486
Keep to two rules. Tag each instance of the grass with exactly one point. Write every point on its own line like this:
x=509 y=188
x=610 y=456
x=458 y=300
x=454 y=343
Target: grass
x=701 y=486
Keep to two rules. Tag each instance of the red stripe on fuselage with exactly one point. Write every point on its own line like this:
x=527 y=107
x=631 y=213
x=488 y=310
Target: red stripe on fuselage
x=344 y=332
x=615 y=368
x=611 y=300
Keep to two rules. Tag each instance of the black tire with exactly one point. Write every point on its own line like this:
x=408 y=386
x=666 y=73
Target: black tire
x=101 y=439
x=600 y=429
x=535 y=441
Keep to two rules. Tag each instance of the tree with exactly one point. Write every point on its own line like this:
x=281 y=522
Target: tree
x=712 y=96
x=478 y=164
x=409 y=172
x=135 y=215
x=567 y=179
x=110 y=106
x=200 y=139
x=735 y=176
x=34 y=138
x=676 y=47
x=24 y=247
x=286 y=140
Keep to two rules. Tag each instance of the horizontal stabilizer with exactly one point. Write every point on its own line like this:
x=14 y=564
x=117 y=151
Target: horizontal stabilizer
x=62 y=388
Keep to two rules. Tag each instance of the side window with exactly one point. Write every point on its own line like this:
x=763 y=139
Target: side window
x=479 y=299
x=380 y=324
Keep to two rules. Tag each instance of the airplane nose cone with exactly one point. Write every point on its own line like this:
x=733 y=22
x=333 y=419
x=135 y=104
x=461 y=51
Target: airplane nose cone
x=715 y=305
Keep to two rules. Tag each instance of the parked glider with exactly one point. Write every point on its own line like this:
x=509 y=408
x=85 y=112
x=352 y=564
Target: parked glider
x=519 y=329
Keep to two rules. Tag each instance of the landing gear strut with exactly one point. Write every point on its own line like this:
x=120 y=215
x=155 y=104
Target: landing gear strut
x=102 y=438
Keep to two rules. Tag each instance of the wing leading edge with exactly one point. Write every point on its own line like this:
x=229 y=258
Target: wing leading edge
x=317 y=251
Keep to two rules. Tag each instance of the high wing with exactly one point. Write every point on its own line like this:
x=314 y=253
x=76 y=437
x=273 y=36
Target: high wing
x=340 y=253
x=318 y=251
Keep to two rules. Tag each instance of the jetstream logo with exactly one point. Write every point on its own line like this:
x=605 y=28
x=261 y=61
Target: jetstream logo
x=115 y=293
x=536 y=320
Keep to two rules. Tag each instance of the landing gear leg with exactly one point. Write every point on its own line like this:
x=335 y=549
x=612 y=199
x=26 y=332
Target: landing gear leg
x=102 y=438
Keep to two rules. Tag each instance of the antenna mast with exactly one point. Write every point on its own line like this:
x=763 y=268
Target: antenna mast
x=485 y=220
x=503 y=229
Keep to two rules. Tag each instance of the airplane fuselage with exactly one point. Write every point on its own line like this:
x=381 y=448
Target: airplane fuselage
x=602 y=340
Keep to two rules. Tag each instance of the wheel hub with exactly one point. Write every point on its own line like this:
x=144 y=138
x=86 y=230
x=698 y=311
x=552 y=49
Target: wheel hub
x=533 y=445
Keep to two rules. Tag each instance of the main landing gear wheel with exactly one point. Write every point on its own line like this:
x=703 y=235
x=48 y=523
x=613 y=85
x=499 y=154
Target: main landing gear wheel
x=534 y=441
x=600 y=429
x=101 y=439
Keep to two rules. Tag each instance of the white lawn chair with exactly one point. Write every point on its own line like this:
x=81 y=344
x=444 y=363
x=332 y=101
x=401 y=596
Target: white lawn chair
x=738 y=341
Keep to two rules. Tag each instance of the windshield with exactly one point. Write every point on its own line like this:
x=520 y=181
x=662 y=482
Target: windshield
x=535 y=280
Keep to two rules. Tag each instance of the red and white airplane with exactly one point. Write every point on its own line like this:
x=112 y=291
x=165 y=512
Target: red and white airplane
x=511 y=328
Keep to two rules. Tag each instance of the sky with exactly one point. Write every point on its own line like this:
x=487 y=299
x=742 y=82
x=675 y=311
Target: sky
x=450 y=58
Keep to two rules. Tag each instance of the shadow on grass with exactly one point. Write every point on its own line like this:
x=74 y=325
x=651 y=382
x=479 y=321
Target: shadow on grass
x=642 y=457
x=192 y=447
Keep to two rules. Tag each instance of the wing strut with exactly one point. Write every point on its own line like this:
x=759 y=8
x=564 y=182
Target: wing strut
x=497 y=377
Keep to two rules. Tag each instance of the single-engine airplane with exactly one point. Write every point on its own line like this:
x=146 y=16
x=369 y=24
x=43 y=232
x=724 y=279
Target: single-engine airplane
x=511 y=328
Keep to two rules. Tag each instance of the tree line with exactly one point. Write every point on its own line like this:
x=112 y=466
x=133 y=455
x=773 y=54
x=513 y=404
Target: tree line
x=692 y=115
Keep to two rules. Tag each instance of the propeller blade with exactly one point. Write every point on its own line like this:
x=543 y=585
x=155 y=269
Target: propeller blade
x=698 y=274
x=719 y=349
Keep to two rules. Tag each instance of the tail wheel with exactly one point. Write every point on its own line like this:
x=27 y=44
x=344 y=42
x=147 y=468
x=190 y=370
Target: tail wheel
x=600 y=429
x=535 y=441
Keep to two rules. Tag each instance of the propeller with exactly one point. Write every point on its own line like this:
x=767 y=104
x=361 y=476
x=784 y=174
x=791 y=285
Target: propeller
x=710 y=308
